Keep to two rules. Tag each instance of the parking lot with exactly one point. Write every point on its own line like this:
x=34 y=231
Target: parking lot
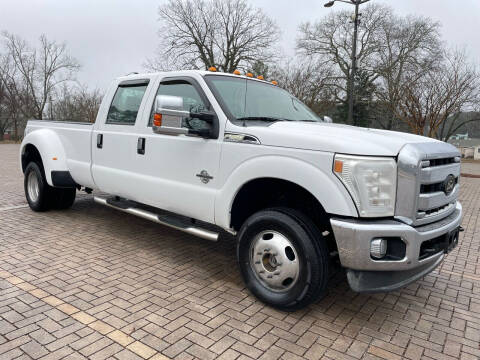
x=91 y=282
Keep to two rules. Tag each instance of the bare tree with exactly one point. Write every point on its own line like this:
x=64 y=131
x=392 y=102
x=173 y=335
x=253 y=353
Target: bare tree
x=13 y=94
x=330 y=41
x=459 y=121
x=393 y=50
x=227 y=34
x=5 y=111
x=32 y=75
x=75 y=104
x=410 y=47
x=310 y=82
x=450 y=88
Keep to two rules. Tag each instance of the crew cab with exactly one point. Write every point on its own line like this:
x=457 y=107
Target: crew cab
x=207 y=152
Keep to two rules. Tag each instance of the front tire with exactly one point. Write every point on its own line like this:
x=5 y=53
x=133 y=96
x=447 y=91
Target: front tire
x=283 y=258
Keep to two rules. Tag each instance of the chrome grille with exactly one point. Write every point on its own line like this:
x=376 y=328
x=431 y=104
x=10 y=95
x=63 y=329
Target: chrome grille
x=422 y=172
x=440 y=162
x=431 y=188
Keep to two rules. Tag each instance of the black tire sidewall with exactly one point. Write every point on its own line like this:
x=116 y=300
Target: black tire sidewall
x=305 y=249
x=63 y=198
x=41 y=203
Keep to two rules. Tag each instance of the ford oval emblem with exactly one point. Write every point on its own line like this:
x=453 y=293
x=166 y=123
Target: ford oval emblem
x=449 y=184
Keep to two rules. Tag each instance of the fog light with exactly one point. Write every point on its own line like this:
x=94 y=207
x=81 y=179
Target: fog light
x=378 y=248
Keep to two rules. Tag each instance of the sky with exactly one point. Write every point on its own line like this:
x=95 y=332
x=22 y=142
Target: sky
x=111 y=38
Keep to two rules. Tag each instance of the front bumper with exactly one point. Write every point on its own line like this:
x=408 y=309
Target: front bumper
x=365 y=274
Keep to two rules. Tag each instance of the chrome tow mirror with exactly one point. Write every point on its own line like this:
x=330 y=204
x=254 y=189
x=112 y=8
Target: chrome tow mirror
x=328 y=119
x=169 y=115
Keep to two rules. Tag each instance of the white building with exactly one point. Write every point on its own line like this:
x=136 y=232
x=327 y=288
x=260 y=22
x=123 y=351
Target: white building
x=476 y=152
x=470 y=148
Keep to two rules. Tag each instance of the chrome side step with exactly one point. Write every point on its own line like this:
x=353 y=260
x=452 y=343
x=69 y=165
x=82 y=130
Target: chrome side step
x=162 y=219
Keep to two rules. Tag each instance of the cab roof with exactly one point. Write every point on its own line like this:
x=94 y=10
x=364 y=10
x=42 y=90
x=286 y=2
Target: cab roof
x=135 y=76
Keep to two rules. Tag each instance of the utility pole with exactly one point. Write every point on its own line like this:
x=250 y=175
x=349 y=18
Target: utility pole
x=354 y=64
x=351 y=79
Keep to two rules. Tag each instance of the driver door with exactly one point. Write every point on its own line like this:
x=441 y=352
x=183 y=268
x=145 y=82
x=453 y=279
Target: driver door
x=179 y=172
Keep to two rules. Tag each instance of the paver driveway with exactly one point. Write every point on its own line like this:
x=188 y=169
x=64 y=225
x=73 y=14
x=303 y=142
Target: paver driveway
x=92 y=282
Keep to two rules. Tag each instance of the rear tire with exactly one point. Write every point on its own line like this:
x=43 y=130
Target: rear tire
x=283 y=258
x=41 y=196
x=63 y=198
x=37 y=190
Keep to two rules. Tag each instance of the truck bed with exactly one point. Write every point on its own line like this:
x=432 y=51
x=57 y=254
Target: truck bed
x=75 y=139
x=57 y=123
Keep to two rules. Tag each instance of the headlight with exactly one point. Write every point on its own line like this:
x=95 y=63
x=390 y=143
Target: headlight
x=372 y=183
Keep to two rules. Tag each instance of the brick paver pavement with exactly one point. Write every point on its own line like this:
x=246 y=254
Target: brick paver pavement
x=471 y=167
x=91 y=282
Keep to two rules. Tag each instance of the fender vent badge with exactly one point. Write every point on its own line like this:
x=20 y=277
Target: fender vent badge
x=241 y=138
x=204 y=176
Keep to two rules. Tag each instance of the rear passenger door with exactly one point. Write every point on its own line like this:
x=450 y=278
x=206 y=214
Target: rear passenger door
x=114 y=141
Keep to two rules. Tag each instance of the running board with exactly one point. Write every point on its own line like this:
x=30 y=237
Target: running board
x=162 y=219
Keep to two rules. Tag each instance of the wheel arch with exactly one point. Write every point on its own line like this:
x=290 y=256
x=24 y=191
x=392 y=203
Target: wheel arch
x=273 y=173
x=30 y=153
x=45 y=146
x=265 y=192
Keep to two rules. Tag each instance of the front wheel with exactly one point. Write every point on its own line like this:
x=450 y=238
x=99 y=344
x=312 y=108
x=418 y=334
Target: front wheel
x=283 y=258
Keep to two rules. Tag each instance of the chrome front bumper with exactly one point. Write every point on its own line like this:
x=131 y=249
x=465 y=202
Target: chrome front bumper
x=365 y=274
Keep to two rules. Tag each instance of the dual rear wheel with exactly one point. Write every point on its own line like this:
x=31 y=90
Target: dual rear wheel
x=41 y=196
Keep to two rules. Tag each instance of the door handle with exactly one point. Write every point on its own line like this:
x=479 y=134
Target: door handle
x=99 y=141
x=141 y=146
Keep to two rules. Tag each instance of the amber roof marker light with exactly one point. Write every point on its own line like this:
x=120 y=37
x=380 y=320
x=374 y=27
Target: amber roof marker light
x=212 y=69
x=237 y=72
x=260 y=77
x=249 y=75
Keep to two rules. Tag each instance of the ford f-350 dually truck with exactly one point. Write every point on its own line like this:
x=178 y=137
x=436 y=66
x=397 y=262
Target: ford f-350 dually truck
x=205 y=152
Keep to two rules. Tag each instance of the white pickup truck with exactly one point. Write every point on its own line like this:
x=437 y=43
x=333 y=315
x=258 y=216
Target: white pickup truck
x=206 y=152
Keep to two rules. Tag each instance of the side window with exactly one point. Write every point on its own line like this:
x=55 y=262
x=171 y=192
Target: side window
x=192 y=101
x=125 y=104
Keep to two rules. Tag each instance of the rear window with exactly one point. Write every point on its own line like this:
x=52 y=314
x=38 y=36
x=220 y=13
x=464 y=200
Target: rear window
x=125 y=104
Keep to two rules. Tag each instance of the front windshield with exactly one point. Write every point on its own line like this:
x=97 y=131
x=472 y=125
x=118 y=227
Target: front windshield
x=244 y=100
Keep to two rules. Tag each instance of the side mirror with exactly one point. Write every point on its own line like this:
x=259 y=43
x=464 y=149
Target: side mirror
x=169 y=114
x=328 y=119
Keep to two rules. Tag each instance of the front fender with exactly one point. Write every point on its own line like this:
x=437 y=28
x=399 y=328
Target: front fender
x=51 y=150
x=331 y=194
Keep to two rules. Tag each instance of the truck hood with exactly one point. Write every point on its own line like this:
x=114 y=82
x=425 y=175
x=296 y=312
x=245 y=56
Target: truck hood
x=335 y=138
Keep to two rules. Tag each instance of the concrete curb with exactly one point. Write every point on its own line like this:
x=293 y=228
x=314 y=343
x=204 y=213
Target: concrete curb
x=470 y=176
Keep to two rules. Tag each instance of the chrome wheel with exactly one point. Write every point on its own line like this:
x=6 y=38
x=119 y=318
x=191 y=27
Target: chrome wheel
x=33 y=186
x=274 y=261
